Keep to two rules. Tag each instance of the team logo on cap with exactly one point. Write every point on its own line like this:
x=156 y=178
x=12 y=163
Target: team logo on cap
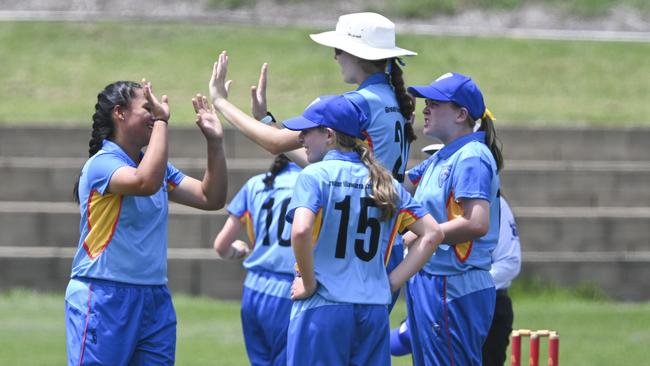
x=444 y=76
x=444 y=175
x=313 y=102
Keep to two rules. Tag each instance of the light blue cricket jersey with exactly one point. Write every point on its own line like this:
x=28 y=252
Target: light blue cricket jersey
x=263 y=210
x=123 y=238
x=384 y=128
x=463 y=169
x=351 y=245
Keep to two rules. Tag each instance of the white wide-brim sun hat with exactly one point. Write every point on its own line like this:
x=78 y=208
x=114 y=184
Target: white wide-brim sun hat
x=369 y=36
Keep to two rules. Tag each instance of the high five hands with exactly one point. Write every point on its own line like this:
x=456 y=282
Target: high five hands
x=218 y=85
x=258 y=94
x=159 y=109
x=206 y=118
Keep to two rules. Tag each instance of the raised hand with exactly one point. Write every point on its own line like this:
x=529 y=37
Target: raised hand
x=219 y=86
x=206 y=118
x=258 y=94
x=159 y=109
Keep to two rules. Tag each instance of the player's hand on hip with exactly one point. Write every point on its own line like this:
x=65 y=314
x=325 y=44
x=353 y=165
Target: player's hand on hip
x=299 y=291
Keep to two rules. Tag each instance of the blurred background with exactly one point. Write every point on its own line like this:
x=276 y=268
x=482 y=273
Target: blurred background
x=568 y=81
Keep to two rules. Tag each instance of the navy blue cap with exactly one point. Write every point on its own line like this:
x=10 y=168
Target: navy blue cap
x=452 y=87
x=335 y=112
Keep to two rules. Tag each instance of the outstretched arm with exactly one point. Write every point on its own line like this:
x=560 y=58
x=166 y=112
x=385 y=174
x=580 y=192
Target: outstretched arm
x=210 y=192
x=274 y=140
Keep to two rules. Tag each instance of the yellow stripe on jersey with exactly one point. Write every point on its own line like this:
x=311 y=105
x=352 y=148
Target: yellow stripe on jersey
x=454 y=211
x=250 y=229
x=318 y=223
x=404 y=219
x=103 y=214
x=171 y=186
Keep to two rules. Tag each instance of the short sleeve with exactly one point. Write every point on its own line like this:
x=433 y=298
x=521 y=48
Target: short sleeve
x=410 y=210
x=415 y=174
x=101 y=169
x=306 y=193
x=472 y=178
x=239 y=204
x=363 y=105
x=174 y=177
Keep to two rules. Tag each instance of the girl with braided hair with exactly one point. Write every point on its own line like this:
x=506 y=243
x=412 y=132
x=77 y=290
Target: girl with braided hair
x=259 y=209
x=117 y=305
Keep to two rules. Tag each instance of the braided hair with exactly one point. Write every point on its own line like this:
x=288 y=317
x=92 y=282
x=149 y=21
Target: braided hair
x=118 y=93
x=404 y=100
x=280 y=162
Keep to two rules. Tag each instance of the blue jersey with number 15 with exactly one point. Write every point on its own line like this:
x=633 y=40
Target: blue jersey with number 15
x=351 y=245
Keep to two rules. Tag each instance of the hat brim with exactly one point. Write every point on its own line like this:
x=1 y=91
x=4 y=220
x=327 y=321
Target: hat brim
x=428 y=92
x=299 y=123
x=431 y=149
x=361 y=50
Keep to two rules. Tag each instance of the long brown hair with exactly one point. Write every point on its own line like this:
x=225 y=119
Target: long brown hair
x=383 y=192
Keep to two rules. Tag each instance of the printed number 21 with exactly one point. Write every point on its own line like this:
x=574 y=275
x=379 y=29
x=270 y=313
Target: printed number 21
x=403 y=146
x=365 y=223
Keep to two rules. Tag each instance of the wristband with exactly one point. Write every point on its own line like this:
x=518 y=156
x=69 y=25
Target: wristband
x=160 y=119
x=268 y=119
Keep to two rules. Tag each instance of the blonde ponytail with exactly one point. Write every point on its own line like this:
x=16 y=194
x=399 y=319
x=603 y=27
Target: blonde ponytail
x=383 y=190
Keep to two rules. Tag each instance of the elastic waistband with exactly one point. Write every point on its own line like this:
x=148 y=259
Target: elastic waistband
x=115 y=283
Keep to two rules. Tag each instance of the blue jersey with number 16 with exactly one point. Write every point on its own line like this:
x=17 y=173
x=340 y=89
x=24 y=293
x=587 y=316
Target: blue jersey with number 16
x=262 y=210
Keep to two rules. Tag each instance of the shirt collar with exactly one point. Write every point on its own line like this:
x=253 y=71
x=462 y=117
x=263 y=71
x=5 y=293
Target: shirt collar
x=110 y=146
x=376 y=78
x=352 y=156
x=455 y=145
x=291 y=166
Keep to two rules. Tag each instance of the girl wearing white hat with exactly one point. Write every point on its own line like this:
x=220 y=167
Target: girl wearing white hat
x=364 y=46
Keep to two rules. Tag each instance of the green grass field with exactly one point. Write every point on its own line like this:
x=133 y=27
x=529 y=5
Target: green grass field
x=592 y=332
x=52 y=72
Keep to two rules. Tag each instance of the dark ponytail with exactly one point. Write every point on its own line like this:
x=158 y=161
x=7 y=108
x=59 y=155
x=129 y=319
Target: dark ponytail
x=405 y=101
x=119 y=93
x=280 y=162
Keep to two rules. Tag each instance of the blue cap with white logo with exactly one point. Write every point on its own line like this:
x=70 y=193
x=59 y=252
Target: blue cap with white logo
x=335 y=112
x=453 y=87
